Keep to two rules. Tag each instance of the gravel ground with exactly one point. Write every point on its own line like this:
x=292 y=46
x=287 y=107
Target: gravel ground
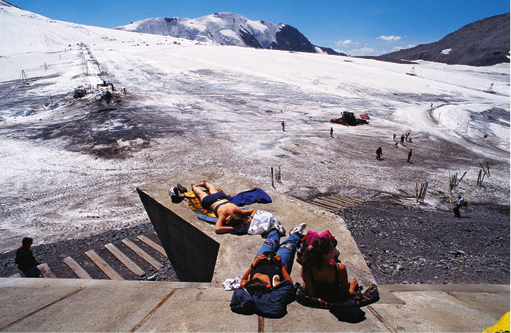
x=403 y=244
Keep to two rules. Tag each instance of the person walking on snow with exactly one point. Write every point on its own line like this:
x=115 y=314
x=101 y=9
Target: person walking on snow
x=402 y=139
x=409 y=155
x=283 y=126
x=331 y=132
x=378 y=153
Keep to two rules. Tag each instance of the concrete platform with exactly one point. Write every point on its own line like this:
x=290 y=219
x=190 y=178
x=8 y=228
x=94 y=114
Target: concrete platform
x=198 y=254
x=193 y=247
x=72 y=305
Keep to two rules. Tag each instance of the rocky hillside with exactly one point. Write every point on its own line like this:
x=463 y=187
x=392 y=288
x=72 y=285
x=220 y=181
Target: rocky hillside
x=229 y=29
x=482 y=43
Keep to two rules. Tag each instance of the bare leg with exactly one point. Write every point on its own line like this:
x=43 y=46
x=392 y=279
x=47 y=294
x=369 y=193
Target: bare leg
x=210 y=187
x=199 y=193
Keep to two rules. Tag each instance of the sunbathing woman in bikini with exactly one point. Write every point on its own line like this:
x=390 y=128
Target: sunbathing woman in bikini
x=229 y=215
x=323 y=280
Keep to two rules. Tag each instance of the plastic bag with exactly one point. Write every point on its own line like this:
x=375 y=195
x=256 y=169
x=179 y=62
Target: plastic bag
x=261 y=222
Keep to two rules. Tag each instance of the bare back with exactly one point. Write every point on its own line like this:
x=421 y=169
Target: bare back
x=325 y=274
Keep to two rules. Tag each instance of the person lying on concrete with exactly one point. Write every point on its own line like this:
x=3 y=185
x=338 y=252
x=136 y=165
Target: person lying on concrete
x=25 y=259
x=273 y=263
x=229 y=216
x=266 y=288
x=321 y=278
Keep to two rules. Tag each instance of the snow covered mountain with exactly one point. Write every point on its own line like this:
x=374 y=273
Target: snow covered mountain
x=6 y=4
x=229 y=29
x=481 y=43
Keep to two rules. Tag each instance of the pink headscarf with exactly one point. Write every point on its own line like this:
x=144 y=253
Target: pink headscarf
x=313 y=235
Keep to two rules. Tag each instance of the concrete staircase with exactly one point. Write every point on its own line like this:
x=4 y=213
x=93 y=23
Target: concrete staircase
x=105 y=263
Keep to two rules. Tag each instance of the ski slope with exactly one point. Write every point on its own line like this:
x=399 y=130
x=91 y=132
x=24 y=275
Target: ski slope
x=70 y=166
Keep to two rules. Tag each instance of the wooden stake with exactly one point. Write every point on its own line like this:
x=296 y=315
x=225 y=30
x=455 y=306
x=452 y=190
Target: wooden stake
x=461 y=178
x=482 y=167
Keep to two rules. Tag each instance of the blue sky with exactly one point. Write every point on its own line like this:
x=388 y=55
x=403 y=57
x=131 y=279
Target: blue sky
x=355 y=27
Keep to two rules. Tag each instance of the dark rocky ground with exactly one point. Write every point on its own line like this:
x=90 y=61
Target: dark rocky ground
x=404 y=244
x=401 y=244
x=54 y=253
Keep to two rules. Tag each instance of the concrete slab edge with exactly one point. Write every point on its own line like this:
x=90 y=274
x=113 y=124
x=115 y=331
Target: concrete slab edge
x=466 y=288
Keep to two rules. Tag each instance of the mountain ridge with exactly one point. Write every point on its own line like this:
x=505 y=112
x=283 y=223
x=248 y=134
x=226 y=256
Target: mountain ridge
x=481 y=43
x=7 y=4
x=229 y=29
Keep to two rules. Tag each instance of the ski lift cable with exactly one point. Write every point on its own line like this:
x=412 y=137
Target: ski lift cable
x=16 y=86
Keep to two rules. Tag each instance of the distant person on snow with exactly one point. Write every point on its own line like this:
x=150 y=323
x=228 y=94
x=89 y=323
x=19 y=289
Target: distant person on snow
x=402 y=139
x=331 y=132
x=25 y=259
x=283 y=126
x=229 y=216
x=409 y=155
x=378 y=153
x=407 y=135
x=458 y=205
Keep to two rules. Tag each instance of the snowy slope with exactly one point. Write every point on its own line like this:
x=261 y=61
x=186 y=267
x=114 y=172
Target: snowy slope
x=70 y=166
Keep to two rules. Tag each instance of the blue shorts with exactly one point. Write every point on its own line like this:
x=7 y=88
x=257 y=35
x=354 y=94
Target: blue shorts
x=210 y=199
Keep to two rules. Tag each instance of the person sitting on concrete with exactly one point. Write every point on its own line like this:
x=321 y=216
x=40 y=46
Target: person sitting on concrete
x=229 y=216
x=321 y=278
x=25 y=259
x=458 y=205
x=266 y=288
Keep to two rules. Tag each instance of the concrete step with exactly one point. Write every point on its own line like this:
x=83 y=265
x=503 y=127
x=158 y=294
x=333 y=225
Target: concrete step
x=73 y=305
x=126 y=260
